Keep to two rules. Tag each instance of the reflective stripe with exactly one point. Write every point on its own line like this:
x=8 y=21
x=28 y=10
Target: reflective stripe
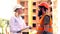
x=40 y=32
x=50 y=30
x=41 y=29
x=50 y=26
x=42 y=26
x=49 y=33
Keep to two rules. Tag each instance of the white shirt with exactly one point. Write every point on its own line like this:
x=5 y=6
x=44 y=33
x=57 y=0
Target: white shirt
x=16 y=24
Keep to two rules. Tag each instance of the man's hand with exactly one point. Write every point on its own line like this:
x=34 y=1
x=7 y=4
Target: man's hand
x=28 y=27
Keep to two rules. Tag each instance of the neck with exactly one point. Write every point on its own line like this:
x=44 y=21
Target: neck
x=17 y=15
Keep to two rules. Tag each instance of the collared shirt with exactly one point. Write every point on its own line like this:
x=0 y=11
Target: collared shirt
x=16 y=24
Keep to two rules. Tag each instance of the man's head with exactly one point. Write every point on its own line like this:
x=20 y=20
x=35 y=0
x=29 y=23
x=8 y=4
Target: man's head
x=43 y=8
x=18 y=9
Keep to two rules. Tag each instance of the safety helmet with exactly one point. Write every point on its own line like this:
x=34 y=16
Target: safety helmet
x=45 y=4
x=18 y=6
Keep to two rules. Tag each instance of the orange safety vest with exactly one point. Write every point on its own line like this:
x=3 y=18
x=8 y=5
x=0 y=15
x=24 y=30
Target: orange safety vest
x=41 y=29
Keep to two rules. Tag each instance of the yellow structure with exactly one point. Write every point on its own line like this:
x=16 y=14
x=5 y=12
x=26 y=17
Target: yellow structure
x=30 y=13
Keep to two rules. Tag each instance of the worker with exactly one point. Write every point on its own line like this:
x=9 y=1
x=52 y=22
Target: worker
x=45 y=20
x=16 y=21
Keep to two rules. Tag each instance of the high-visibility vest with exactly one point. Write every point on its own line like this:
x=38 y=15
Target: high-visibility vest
x=41 y=28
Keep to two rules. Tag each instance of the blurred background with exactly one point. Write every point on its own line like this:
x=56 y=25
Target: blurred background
x=31 y=17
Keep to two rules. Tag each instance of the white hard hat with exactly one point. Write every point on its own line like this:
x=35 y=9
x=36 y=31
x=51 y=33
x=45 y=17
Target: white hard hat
x=18 y=6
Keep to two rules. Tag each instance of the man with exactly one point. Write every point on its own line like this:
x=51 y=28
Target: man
x=16 y=21
x=45 y=20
